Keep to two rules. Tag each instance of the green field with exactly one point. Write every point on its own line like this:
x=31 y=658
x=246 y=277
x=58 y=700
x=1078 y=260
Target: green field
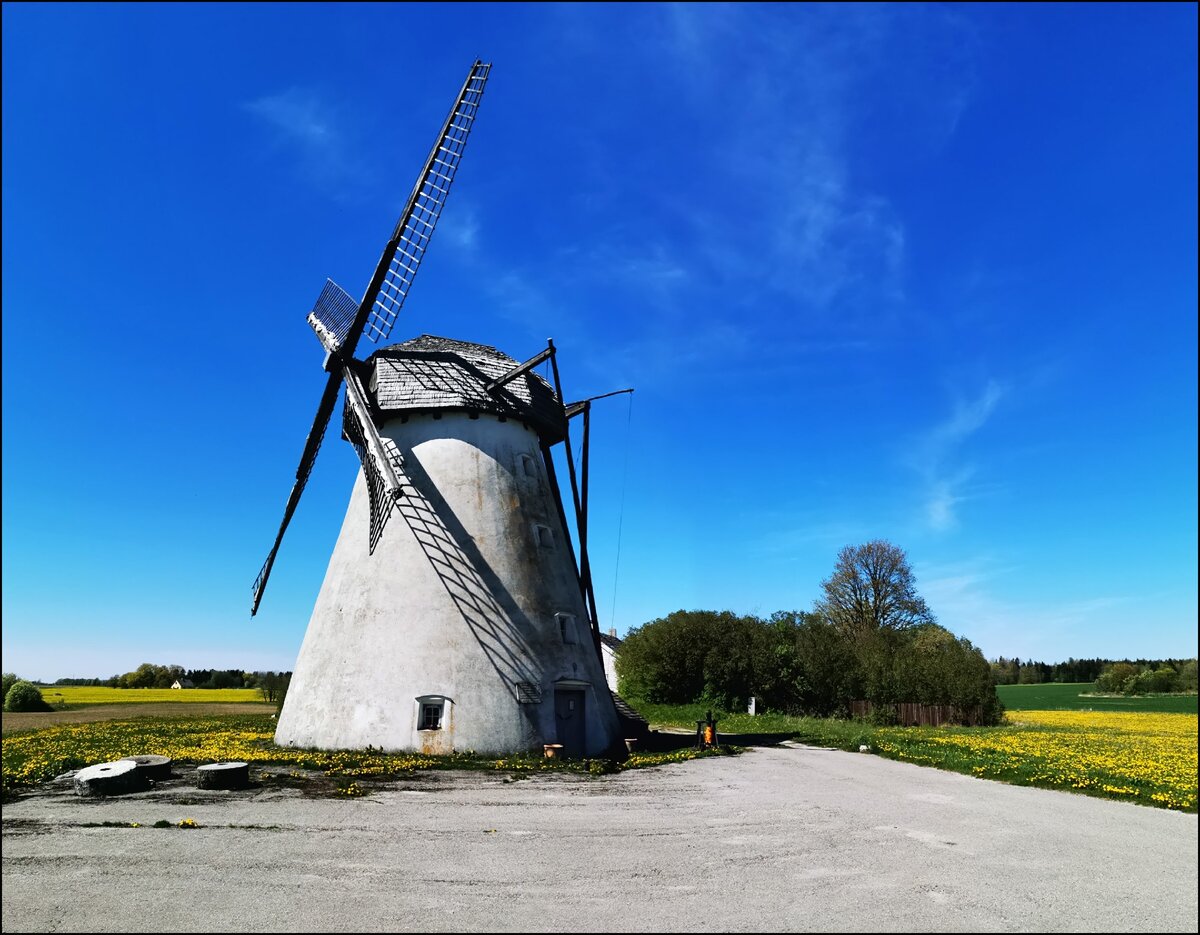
x=1068 y=696
x=78 y=696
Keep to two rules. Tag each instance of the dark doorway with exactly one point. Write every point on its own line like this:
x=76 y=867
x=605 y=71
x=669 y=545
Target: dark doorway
x=568 y=717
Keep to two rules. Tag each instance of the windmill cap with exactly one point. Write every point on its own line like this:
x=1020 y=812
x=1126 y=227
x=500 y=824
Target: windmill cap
x=432 y=373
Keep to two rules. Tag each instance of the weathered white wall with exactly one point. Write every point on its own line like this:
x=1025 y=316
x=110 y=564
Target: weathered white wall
x=458 y=599
x=609 y=657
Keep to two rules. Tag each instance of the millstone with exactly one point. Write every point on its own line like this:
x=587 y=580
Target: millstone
x=109 y=779
x=151 y=765
x=223 y=775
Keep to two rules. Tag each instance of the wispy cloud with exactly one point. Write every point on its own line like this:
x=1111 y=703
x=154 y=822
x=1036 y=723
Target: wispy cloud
x=790 y=533
x=742 y=193
x=937 y=457
x=461 y=227
x=306 y=126
x=751 y=190
x=967 y=597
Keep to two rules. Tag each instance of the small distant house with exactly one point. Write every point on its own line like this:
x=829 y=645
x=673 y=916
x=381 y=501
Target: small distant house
x=632 y=723
x=182 y=683
x=610 y=645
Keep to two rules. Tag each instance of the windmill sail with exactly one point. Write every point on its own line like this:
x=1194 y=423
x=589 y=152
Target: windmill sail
x=332 y=316
x=404 y=252
x=339 y=322
x=309 y=456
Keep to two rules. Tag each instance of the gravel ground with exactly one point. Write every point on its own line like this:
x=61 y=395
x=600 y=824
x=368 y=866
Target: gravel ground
x=788 y=838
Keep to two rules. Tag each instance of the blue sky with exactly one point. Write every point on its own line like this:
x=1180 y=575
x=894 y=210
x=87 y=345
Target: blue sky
x=922 y=273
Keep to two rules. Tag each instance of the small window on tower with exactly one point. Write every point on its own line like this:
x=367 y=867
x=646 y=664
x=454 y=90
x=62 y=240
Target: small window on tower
x=431 y=715
x=566 y=627
x=543 y=536
x=528 y=466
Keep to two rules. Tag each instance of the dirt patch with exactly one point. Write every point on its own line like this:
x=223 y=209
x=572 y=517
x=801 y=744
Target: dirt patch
x=118 y=712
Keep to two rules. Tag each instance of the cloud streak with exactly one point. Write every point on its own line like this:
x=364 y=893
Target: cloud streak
x=964 y=599
x=937 y=457
x=306 y=126
x=749 y=192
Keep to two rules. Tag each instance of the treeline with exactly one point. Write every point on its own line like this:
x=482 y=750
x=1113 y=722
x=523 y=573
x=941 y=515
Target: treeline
x=149 y=675
x=870 y=638
x=1016 y=672
x=1148 y=678
x=801 y=663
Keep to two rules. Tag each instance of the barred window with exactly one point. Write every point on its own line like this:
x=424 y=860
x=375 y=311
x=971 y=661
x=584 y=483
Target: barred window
x=431 y=716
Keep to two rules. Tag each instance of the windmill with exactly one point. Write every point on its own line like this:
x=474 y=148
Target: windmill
x=453 y=614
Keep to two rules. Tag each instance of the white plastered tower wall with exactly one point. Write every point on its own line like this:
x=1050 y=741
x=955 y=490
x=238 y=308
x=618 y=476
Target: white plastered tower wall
x=470 y=599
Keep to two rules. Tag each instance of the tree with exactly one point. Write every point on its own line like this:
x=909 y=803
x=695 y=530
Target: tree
x=935 y=667
x=690 y=656
x=273 y=685
x=1118 y=677
x=24 y=696
x=141 y=677
x=1187 y=675
x=872 y=590
x=827 y=675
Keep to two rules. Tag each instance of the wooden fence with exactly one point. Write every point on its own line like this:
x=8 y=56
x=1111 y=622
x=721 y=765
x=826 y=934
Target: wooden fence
x=912 y=714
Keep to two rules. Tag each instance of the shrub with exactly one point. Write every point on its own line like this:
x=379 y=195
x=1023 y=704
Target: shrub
x=24 y=696
x=1118 y=677
x=9 y=680
x=1187 y=675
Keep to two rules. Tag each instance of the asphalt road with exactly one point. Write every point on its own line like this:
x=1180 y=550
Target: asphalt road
x=780 y=839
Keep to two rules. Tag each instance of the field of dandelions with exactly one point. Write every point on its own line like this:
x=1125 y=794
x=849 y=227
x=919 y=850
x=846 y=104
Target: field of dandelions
x=1149 y=758
x=33 y=757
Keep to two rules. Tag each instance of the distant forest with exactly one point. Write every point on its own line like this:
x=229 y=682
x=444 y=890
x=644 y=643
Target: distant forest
x=149 y=675
x=1015 y=672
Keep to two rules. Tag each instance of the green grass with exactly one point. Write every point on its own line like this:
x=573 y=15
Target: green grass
x=1055 y=696
x=34 y=756
x=827 y=732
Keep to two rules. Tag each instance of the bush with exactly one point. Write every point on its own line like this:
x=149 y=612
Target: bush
x=24 y=696
x=1157 y=681
x=9 y=680
x=686 y=656
x=1187 y=675
x=1127 y=678
x=1116 y=677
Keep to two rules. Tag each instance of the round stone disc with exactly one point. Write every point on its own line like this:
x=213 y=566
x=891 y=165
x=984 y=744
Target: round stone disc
x=231 y=775
x=151 y=765
x=109 y=779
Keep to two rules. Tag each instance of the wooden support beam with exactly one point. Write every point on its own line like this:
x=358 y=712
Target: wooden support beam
x=523 y=368
x=358 y=402
x=573 y=409
x=586 y=564
x=580 y=522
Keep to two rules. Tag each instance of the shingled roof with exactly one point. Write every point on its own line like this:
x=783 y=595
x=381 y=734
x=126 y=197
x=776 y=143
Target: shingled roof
x=431 y=373
x=612 y=641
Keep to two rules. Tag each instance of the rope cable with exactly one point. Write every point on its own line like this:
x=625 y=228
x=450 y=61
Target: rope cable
x=621 y=514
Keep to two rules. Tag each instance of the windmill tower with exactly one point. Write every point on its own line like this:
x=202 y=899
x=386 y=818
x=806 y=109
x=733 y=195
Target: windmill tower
x=453 y=614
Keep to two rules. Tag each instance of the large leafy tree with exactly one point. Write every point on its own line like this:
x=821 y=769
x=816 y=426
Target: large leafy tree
x=871 y=591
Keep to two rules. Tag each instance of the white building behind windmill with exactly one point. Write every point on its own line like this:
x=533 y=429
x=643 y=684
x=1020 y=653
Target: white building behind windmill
x=454 y=620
